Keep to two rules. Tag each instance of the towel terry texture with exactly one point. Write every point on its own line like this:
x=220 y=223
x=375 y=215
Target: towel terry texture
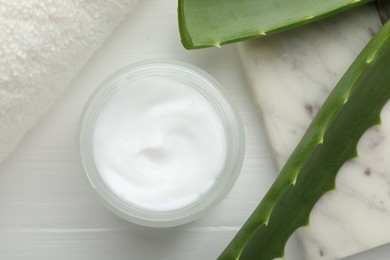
x=43 y=44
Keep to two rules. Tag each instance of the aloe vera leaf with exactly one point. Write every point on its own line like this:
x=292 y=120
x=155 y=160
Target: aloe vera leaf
x=352 y=107
x=206 y=23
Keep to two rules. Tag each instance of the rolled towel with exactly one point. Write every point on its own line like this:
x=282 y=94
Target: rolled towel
x=44 y=43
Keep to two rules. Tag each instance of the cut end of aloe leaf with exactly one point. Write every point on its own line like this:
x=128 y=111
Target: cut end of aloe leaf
x=210 y=23
x=184 y=35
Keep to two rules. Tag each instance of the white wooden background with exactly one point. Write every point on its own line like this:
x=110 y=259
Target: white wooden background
x=48 y=211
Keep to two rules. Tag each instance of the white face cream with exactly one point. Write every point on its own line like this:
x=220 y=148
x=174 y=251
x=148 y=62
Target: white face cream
x=161 y=143
x=158 y=143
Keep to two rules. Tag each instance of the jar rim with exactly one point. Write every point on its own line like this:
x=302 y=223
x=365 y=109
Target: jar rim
x=217 y=97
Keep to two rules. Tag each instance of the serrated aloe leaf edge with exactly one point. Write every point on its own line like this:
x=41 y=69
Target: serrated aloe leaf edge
x=208 y=23
x=352 y=107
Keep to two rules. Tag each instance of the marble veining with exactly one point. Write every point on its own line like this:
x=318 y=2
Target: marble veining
x=291 y=74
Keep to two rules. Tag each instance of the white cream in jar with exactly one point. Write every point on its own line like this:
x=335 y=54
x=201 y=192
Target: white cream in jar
x=161 y=143
x=158 y=143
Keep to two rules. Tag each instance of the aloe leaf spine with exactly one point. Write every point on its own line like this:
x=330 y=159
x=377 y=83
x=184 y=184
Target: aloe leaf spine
x=352 y=107
x=207 y=23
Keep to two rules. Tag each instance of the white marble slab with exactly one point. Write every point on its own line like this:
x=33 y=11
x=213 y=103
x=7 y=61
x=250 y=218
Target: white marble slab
x=291 y=75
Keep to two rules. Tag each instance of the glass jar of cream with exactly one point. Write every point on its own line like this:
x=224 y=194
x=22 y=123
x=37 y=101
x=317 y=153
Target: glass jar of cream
x=161 y=143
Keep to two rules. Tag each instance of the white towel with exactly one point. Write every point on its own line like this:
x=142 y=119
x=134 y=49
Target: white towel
x=43 y=44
